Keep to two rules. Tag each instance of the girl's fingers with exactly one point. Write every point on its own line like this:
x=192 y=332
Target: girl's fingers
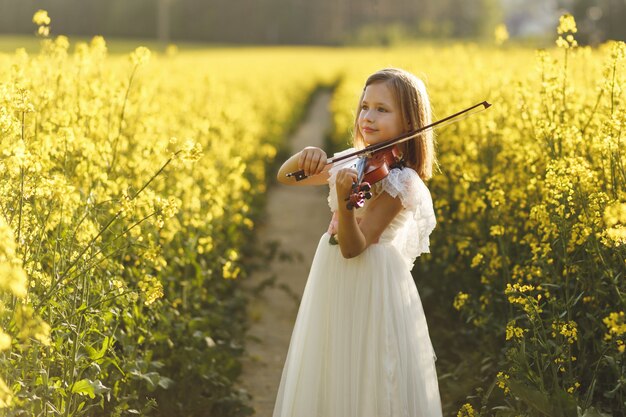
x=321 y=164
x=347 y=176
x=351 y=172
x=301 y=160
x=313 y=162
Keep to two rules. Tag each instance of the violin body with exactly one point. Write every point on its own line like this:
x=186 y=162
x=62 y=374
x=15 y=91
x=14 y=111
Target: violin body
x=372 y=168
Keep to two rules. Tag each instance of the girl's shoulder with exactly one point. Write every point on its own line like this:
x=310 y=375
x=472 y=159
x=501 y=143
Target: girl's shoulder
x=405 y=183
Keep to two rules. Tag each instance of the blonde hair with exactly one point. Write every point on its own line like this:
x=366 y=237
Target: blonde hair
x=412 y=100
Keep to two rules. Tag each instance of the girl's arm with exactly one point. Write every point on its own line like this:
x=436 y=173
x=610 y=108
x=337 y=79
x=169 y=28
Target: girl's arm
x=355 y=237
x=312 y=160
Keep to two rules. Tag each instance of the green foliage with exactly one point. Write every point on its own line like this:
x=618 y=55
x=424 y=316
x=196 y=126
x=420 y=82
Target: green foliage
x=121 y=243
x=529 y=247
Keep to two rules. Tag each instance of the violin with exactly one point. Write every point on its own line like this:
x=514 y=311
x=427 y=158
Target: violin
x=371 y=169
x=375 y=161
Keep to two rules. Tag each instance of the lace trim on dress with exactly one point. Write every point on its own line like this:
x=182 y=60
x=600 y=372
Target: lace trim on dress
x=413 y=238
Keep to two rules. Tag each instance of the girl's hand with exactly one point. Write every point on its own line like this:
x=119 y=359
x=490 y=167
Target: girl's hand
x=346 y=177
x=312 y=160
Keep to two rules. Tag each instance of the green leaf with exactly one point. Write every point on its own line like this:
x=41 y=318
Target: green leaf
x=84 y=387
x=531 y=396
x=88 y=387
x=165 y=382
x=99 y=354
x=592 y=412
x=563 y=402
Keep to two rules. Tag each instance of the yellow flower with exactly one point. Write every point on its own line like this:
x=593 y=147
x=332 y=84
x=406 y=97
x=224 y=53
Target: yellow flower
x=6 y=395
x=151 y=288
x=98 y=45
x=31 y=326
x=512 y=331
x=477 y=260
x=566 y=24
x=140 y=56
x=459 y=300
x=501 y=34
x=615 y=213
x=5 y=341
x=615 y=218
x=573 y=387
x=502 y=381
x=618 y=50
x=41 y=18
x=43 y=31
x=496 y=230
x=12 y=277
x=466 y=411
x=569 y=330
x=230 y=270
x=615 y=324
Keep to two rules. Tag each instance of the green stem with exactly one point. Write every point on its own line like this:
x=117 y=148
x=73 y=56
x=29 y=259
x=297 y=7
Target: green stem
x=62 y=276
x=564 y=88
x=613 y=87
x=19 y=221
x=593 y=112
x=122 y=113
x=90 y=307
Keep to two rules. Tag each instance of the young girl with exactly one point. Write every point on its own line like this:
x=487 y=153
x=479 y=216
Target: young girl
x=360 y=346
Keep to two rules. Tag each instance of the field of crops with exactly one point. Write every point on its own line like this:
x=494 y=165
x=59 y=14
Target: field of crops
x=130 y=187
x=530 y=247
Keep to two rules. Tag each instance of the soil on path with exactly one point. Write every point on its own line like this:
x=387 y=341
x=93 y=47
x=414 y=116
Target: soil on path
x=296 y=217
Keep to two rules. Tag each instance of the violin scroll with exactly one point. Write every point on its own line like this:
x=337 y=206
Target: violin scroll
x=360 y=193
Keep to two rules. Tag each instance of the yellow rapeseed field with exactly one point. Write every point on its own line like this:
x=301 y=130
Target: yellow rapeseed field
x=131 y=184
x=530 y=247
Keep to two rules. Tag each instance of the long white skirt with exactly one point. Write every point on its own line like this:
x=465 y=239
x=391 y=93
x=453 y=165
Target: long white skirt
x=360 y=345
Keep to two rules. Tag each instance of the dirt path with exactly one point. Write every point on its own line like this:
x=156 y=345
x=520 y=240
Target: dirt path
x=296 y=218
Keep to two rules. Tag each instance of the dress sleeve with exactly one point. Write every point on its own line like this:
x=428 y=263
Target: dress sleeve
x=332 y=194
x=414 y=237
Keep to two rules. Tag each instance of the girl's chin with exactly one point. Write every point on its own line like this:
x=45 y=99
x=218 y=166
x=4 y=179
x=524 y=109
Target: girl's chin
x=371 y=140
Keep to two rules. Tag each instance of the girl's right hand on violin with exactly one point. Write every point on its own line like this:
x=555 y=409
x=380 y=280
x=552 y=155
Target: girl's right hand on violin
x=345 y=179
x=312 y=160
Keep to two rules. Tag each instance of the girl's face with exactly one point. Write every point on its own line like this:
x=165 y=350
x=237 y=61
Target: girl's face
x=379 y=117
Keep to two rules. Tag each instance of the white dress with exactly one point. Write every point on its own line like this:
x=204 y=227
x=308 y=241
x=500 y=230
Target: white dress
x=360 y=345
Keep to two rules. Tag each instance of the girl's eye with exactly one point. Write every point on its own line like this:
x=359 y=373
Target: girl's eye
x=380 y=109
x=364 y=107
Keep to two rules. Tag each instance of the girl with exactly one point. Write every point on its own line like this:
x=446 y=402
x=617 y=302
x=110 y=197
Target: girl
x=360 y=346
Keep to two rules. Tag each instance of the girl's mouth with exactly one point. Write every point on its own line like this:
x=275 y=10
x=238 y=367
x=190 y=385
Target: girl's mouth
x=368 y=129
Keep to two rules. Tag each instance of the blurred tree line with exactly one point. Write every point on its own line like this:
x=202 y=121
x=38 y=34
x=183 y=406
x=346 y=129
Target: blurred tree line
x=298 y=21
x=259 y=21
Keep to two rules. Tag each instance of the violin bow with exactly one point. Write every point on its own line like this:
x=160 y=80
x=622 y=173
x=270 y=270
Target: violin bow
x=398 y=139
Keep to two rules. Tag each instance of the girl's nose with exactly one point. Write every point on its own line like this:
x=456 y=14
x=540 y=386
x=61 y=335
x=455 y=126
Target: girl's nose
x=367 y=115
